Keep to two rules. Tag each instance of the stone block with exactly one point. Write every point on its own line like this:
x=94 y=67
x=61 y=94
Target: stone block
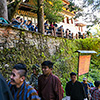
x=29 y=35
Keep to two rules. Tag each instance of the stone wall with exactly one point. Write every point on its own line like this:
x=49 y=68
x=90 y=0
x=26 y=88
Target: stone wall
x=10 y=36
x=21 y=46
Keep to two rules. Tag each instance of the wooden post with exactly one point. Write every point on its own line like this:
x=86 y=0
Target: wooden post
x=72 y=36
x=61 y=32
x=90 y=35
x=54 y=31
x=76 y=36
x=83 y=35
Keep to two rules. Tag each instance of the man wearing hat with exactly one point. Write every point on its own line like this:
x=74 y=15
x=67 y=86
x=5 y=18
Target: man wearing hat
x=34 y=76
x=74 y=89
x=86 y=86
x=18 y=86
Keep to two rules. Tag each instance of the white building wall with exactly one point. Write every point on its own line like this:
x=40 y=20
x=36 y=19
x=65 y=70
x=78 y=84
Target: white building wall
x=74 y=29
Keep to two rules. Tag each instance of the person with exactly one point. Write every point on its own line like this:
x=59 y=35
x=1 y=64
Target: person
x=86 y=86
x=21 y=22
x=95 y=91
x=51 y=26
x=55 y=27
x=36 y=28
x=49 y=85
x=91 y=84
x=5 y=93
x=55 y=24
x=16 y=22
x=30 y=26
x=18 y=86
x=24 y=25
x=46 y=26
x=34 y=77
x=67 y=33
x=61 y=27
x=74 y=88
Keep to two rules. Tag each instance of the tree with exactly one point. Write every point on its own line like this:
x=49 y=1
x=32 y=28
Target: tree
x=3 y=9
x=52 y=10
x=40 y=15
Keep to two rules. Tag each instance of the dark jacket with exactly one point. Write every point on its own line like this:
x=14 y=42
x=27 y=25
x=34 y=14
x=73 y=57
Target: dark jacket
x=5 y=93
x=75 y=90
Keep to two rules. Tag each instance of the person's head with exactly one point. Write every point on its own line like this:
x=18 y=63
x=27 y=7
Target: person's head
x=97 y=84
x=73 y=77
x=21 y=19
x=47 y=67
x=51 y=22
x=54 y=22
x=18 y=18
x=84 y=79
x=36 y=69
x=18 y=74
x=29 y=22
x=61 y=25
x=25 y=22
x=46 y=21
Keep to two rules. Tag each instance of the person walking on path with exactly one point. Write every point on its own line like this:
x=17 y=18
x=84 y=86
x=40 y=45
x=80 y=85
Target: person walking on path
x=34 y=76
x=49 y=85
x=86 y=86
x=18 y=86
x=5 y=93
x=95 y=91
x=74 y=89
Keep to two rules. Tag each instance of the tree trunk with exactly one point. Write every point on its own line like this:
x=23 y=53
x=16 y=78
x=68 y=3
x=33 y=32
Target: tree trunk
x=40 y=15
x=3 y=9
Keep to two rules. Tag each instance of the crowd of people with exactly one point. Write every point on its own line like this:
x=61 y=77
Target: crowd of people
x=24 y=24
x=45 y=86
x=49 y=28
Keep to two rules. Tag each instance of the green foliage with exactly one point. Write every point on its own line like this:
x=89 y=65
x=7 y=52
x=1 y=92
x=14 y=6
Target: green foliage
x=65 y=59
x=52 y=11
x=94 y=3
x=96 y=30
x=73 y=7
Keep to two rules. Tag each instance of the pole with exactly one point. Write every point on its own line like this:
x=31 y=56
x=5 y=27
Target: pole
x=78 y=67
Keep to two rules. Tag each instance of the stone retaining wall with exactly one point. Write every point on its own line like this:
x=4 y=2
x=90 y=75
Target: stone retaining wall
x=10 y=36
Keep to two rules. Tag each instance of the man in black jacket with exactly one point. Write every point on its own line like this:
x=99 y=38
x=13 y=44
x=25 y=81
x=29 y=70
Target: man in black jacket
x=74 y=88
x=5 y=93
